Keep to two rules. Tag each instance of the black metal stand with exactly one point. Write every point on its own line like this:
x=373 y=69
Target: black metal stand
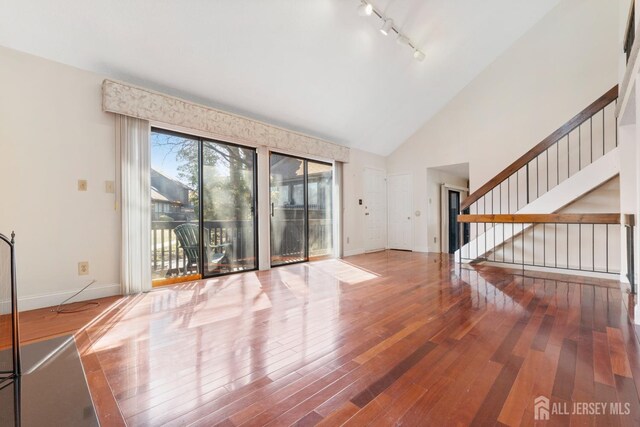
x=16 y=369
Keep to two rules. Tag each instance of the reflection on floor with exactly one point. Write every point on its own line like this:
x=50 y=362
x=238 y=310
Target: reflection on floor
x=384 y=338
x=52 y=390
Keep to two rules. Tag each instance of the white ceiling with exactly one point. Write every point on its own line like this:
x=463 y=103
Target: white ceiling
x=310 y=65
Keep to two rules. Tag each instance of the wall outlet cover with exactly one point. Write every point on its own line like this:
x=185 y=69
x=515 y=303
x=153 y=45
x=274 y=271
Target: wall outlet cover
x=110 y=187
x=83 y=268
x=82 y=185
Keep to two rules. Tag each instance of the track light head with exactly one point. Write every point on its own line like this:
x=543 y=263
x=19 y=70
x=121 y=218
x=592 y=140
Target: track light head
x=418 y=55
x=387 y=27
x=365 y=9
x=402 y=40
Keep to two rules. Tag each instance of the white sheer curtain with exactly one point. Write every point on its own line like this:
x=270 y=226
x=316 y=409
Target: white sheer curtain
x=135 y=188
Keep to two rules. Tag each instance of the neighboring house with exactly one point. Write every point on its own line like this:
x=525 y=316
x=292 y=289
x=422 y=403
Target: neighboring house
x=169 y=197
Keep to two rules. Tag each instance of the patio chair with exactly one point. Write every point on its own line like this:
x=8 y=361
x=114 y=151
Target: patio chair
x=188 y=235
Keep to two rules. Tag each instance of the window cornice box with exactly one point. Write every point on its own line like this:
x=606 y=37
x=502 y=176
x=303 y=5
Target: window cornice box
x=128 y=100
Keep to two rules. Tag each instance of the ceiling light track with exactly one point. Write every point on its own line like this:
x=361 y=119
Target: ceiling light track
x=388 y=28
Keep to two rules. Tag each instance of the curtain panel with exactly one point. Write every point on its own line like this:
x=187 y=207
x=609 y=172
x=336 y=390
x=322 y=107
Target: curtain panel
x=135 y=193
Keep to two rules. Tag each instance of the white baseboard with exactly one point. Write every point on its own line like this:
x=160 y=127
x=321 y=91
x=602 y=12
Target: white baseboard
x=32 y=302
x=353 y=252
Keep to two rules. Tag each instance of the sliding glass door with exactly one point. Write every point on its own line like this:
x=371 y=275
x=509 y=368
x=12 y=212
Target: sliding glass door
x=288 y=210
x=203 y=197
x=320 y=209
x=228 y=208
x=301 y=209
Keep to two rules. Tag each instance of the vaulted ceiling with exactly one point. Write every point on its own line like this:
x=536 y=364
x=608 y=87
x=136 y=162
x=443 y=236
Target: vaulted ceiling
x=315 y=66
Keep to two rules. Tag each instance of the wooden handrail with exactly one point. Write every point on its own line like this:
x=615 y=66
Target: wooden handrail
x=596 y=106
x=600 y=218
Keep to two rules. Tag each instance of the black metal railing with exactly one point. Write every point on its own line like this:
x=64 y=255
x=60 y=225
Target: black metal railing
x=168 y=259
x=10 y=363
x=584 y=139
x=572 y=242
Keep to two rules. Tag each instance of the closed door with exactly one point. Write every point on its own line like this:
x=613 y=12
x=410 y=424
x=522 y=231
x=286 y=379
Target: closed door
x=375 y=210
x=400 y=212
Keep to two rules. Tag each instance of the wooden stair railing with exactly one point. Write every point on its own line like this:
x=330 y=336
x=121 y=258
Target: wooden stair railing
x=587 y=114
x=556 y=218
x=588 y=242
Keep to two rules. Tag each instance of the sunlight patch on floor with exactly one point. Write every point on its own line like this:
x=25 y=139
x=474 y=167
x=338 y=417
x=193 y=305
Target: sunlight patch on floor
x=343 y=271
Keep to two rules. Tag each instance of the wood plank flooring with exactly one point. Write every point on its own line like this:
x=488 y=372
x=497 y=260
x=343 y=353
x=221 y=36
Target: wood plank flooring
x=392 y=338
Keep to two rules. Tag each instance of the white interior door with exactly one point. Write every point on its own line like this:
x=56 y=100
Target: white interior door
x=399 y=190
x=375 y=210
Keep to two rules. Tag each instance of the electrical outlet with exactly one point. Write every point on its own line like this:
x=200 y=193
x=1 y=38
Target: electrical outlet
x=347 y=240
x=82 y=185
x=109 y=187
x=83 y=268
x=434 y=239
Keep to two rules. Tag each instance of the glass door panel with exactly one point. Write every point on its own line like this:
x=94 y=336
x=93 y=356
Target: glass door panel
x=288 y=209
x=320 y=209
x=175 y=180
x=228 y=208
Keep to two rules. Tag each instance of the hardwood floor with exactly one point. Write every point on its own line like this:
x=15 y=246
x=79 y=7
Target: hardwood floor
x=381 y=339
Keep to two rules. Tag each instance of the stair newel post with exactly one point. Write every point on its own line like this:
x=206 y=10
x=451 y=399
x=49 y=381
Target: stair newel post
x=460 y=245
x=629 y=223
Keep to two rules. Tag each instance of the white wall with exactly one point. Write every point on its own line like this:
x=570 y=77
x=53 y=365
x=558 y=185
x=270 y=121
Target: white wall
x=52 y=133
x=556 y=69
x=353 y=190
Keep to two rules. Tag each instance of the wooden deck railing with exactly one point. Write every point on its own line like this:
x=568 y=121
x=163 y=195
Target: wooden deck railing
x=168 y=258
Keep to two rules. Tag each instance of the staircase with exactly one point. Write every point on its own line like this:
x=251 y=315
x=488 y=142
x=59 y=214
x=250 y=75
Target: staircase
x=507 y=212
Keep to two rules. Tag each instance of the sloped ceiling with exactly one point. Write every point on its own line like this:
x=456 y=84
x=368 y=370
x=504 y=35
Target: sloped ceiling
x=310 y=65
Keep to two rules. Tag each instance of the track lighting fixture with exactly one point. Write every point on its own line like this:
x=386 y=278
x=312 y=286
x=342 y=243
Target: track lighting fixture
x=387 y=27
x=366 y=9
x=402 y=40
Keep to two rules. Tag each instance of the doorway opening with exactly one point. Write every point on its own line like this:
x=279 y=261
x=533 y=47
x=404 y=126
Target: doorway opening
x=447 y=187
x=454 y=229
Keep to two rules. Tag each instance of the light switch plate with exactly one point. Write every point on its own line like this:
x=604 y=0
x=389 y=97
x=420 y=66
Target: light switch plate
x=82 y=185
x=110 y=187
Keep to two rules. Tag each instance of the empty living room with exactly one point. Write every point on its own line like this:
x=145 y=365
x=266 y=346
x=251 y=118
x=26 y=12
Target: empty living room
x=319 y=212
